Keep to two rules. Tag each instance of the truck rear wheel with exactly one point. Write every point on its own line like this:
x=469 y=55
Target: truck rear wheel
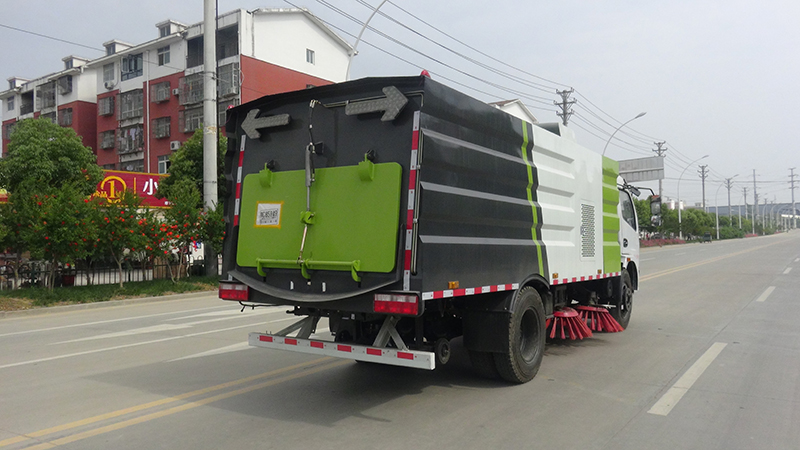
x=624 y=304
x=526 y=338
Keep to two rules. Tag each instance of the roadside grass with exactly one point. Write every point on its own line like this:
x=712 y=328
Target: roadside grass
x=40 y=297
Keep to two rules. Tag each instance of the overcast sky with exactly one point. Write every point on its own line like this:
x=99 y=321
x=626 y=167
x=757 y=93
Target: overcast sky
x=716 y=78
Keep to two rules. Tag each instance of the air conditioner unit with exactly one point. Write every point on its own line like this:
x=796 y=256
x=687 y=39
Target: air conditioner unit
x=174 y=145
x=176 y=91
x=109 y=85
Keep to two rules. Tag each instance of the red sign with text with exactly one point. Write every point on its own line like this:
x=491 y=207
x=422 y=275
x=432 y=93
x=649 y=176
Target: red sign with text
x=144 y=184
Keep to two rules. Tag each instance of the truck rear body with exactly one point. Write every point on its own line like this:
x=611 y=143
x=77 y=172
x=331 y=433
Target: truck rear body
x=419 y=197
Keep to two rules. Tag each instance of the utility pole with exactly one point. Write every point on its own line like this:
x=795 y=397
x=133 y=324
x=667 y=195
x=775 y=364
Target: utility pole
x=728 y=184
x=755 y=202
x=210 y=131
x=744 y=192
x=565 y=105
x=660 y=151
x=791 y=181
x=703 y=175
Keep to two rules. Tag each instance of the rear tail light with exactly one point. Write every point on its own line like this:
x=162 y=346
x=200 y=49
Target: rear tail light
x=231 y=291
x=396 y=304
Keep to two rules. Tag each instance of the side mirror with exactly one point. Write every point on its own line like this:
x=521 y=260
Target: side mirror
x=655 y=205
x=634 y=191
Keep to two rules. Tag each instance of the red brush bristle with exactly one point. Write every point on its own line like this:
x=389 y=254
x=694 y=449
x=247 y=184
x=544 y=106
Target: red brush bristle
x=598 y=318
x=566 y=324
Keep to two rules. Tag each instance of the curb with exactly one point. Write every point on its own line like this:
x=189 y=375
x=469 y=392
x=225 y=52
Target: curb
x=95 y=305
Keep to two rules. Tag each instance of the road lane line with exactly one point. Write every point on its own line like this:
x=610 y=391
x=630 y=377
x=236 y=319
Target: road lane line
x=181 y=408
x=668 y=401
x=153 y=404
x=162 y=327
x=136 y=344
x=766 y=294
x=797 y=260
x=788 y=269
x=217 y=351
x=700 y=263
x=105 y=321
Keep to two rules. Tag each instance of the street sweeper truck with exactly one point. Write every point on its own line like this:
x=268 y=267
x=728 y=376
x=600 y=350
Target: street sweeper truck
x=408 y=214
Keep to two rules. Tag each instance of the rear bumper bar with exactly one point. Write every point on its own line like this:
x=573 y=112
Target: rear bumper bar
x=403 y=358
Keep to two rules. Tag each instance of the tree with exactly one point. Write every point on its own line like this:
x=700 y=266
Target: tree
x=186 y=164
x=43 y=154
x=59 y=227
x=119 y=228
x=183 y=219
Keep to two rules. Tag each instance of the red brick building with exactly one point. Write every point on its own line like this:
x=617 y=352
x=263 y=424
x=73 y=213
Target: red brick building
x=138 y=103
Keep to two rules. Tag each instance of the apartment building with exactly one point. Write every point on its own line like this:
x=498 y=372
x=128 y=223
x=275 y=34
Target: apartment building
x=138 y=103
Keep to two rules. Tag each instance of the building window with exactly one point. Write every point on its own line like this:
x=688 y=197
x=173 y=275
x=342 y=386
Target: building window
x=131 y=139
x=46 y=95
x=108 y=73
x=26 y=103
x=8 y=129
x=310 y=56
x=131 y=66
x=194 y=52
x=133 y=166
x=10 y=103
x=111 y=49
x=160 y=92
x=191 y=89
x=68 y=64
x=49 y=116
x=161 y=127
x=227 y=42
x=65 y=85
x=130 y=104
x=163 y=56
x=163 y=31
x=105 y=106
x=163 y=164
x=108 y=139
x=65 y=117
x=228 y=80
x=112 y=166
x=222 y=109
x=191 y=119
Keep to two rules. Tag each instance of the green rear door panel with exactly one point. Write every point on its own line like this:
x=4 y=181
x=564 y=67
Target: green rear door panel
x=354 y=219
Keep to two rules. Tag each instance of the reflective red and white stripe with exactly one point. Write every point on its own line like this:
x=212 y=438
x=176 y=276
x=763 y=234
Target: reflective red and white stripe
x=237 y=204
x=412 y=191
x=586 y=278
x=469 y=291
x=391 y=356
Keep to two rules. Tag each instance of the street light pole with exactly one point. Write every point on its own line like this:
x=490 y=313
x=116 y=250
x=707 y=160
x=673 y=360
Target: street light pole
x=680 y=229
x=619 y=128
x=716 y=208
x=358 y=39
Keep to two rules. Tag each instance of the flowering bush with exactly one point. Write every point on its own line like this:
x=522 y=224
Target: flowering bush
x=660 y=242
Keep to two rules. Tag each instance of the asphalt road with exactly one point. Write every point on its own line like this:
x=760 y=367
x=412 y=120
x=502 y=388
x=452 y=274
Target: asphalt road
x=711 y=359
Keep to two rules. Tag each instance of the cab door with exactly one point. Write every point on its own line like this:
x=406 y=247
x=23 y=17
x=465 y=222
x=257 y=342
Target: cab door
x=628 y=230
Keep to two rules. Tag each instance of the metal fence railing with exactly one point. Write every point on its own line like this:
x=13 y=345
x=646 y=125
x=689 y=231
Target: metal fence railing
x=38 y=273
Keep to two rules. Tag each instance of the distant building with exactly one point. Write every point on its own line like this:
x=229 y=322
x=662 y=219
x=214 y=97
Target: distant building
x=517 y=109
x=138 y=103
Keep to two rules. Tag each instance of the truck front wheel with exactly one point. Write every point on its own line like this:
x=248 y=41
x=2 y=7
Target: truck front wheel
x=526 y=338
x=624 y=304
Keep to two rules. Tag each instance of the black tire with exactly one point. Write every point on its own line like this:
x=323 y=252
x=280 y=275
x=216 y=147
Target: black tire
x=624 y=304
x=526 y=331
x=483 y=364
